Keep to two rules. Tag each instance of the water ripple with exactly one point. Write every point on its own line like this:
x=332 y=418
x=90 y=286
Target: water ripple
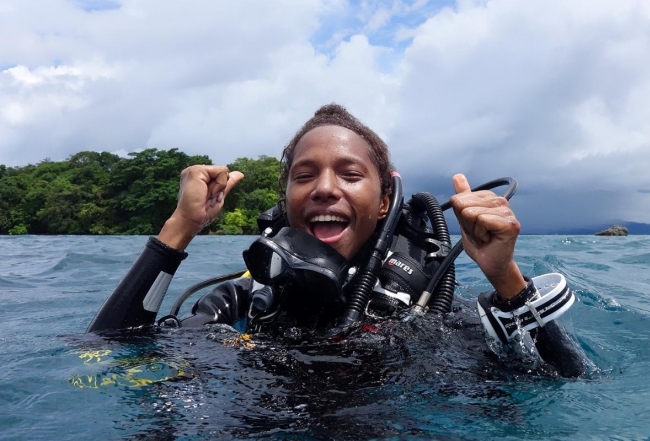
x=425 y=379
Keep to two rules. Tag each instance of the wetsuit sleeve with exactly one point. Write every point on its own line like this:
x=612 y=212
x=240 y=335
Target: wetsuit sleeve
x=228 y=303
x=137 y=298
x=554 y=345
x=559 y=349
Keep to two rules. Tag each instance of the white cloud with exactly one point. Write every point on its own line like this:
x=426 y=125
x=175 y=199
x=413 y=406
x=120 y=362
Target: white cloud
x=554 y=93
x=554 y=89
x=28 y=95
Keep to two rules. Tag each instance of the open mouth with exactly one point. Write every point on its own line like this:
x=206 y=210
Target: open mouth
x=327 y=228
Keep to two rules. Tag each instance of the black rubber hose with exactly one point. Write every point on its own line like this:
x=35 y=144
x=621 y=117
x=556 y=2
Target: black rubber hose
x=458 y=248
x=443 y=295
x=362 y=289
x=510 y=191
x=438 y=222
x=367 y=277
x=194 y=288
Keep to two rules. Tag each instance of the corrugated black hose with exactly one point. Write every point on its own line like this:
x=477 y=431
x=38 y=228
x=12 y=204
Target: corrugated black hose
x=448 y=261
x=444 y=284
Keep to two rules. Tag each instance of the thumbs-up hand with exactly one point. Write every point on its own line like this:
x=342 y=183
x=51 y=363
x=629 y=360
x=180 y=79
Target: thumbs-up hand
x=489 y=230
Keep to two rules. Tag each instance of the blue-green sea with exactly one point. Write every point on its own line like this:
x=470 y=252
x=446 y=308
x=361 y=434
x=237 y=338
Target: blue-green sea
x=424 y=379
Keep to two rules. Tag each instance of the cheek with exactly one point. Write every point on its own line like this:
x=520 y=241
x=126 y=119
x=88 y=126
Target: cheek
x=292 y=218
x=293 y=206
x=372 y=208
x=369 y=215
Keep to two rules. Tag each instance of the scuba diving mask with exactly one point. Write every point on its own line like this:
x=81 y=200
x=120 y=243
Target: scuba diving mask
x=315 y=272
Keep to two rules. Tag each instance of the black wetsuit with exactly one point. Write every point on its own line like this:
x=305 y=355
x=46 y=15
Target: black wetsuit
x=137 y=298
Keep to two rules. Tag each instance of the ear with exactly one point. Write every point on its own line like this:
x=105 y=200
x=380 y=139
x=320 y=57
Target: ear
x=383 y=207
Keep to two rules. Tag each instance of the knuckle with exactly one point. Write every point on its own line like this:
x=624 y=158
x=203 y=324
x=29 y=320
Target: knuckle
x=499 y=201
x=515 y=225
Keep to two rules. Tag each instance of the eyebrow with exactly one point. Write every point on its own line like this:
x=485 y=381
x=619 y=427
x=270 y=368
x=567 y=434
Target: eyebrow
x=347 y=160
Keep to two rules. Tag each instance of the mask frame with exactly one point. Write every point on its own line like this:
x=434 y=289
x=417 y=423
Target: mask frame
x=291 y=255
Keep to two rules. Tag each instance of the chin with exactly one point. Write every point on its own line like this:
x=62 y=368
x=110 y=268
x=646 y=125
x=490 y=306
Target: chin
x=348 y=253
x=343 y=252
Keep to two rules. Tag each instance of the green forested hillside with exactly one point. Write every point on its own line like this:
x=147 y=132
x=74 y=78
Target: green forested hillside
x=102 y=193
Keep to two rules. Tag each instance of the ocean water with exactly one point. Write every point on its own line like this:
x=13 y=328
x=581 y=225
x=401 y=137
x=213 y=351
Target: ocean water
x=424 y=379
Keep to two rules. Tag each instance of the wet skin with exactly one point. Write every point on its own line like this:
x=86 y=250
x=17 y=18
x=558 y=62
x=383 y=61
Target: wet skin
x=333 y=190
x=334 y=193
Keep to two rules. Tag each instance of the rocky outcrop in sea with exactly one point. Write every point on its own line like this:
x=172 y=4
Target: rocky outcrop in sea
x=614 y=230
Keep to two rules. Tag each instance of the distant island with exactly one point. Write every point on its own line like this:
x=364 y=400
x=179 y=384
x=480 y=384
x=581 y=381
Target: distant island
x=633 y=228
x=614 y=230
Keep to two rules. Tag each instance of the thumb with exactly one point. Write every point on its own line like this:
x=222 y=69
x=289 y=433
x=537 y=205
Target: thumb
x=461 y=185
x=233 y=179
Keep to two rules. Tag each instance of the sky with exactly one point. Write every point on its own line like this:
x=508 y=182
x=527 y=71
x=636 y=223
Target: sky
x=553 y=93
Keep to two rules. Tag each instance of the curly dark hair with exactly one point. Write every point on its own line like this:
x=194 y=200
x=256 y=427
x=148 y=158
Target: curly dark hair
x=336 y=115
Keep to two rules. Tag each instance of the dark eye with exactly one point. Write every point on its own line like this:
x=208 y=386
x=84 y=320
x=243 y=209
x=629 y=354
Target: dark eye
x=302 y=177
x=352 y=175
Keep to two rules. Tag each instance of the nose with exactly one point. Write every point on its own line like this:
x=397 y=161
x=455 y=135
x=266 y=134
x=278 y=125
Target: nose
x=327 y=186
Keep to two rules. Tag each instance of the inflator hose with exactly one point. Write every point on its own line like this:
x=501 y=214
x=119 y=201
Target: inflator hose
x=448 y=261
x=367 y=277
x=199 y=286
x=444 y=289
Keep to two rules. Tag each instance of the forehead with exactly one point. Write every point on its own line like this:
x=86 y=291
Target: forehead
x=333 y=142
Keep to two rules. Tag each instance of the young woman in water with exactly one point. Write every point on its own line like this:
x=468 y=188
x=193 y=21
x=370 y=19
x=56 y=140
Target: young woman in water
x=336 y=176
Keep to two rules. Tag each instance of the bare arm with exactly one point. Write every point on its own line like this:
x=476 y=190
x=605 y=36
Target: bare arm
x=489 y=230
x=203 y=190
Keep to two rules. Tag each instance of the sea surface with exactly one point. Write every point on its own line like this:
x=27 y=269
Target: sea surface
x=427 y=378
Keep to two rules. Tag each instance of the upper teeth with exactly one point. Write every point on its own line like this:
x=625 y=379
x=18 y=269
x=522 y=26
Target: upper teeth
x=327 y=218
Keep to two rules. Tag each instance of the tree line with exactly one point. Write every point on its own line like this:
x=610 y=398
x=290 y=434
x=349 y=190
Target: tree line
x=103 y=193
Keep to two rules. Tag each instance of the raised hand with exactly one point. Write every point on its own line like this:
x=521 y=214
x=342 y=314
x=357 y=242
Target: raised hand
x=489 y=230
x=203 y=189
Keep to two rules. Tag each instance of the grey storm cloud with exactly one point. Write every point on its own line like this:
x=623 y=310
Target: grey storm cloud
x=553 y=93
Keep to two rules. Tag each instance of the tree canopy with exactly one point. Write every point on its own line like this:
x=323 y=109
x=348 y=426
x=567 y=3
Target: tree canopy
x=102 y=193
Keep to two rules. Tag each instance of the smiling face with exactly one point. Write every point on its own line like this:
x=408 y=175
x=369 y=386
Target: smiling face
x=333 y=189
